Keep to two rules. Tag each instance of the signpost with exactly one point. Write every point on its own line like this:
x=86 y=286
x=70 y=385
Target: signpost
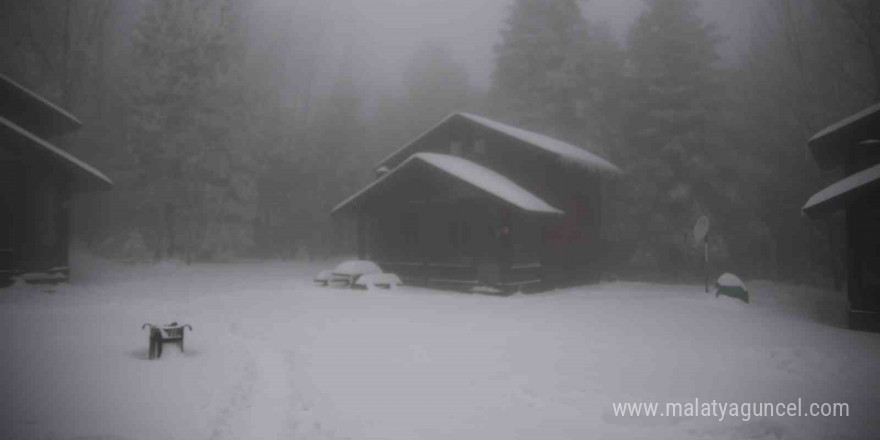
x=701 y=234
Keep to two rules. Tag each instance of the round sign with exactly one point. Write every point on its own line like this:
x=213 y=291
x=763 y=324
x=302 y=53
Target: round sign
x=701 y=228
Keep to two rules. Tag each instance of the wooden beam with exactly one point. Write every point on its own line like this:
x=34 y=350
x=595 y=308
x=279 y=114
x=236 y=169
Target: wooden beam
x=362 y=236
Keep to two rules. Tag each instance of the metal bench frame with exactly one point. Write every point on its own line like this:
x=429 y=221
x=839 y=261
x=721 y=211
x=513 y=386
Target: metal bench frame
x=167 y=334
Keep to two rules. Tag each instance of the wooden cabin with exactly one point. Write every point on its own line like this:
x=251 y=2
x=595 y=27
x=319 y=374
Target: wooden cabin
x=37 y=181
x=474 y=202
x=853 y=145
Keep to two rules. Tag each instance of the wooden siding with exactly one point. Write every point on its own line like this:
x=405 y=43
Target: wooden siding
x=34 y=216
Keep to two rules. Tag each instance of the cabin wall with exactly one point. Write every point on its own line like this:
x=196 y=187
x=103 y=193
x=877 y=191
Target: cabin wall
x=457 y=243
x=564 y=250
x=861 y=157
x=572 y=251
x=34 y=214
x=863 y=262
x=12 y=223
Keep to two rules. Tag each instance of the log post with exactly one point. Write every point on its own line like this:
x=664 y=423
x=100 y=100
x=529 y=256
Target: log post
x=362 y=236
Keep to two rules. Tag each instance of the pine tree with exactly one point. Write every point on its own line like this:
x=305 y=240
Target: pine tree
x=435 y=85
x=539 y=72
x=671 y=149
x=195 y=183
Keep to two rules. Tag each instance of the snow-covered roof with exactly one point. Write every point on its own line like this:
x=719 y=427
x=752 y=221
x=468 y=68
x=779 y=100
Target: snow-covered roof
x=849 y=120
x=32 y=111
x=829 y=144
x=836 y=195
x=86 y=176
x=562 y=149
x=471 y=173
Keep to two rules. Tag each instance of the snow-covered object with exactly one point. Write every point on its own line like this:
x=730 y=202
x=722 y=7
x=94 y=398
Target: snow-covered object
x=489 y=181
x=357 y=268
x=833 y=196
x=349 y=271
x=41 y=276
x=564 y=150
x=485 y=289
x=299 y=363
x=324 y=277
x=476 y=175
x=730 y=285
x=374 y=280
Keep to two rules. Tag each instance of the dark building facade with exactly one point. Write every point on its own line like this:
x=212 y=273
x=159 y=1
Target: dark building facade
x=37 y=181
x=853 y=145
x=474 y=202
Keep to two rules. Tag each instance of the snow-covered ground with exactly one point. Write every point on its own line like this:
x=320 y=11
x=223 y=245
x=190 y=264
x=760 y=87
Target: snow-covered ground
x=273 y=357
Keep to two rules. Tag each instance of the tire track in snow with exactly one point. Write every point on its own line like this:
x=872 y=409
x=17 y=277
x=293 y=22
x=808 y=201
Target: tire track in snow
x=229 y=421
x=271 y=414
x=261 y=407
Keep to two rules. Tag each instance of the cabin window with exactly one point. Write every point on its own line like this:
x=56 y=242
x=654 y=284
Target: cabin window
x=47 y=229
x=455 y=148
x=453 y=235
x=480 y=147
x=459 y=238
x=381 y=171
x=409 y=229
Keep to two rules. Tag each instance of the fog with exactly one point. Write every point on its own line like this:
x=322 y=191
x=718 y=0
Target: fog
x=385 y=32
x=268 y=113
x=418 y=219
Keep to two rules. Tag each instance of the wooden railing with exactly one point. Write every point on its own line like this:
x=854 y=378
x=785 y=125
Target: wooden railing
x=464 y=276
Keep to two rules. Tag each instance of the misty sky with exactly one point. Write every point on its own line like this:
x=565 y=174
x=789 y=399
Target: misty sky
x=385 y=32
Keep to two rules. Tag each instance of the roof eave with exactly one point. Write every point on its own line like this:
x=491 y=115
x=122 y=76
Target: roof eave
x=47 y=118
x=351 y=202
x=827 y=201
x=85 y=177
x=823 y=144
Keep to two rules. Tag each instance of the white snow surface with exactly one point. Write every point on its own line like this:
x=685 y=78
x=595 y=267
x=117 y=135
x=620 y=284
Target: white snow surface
x=271 y=356
x=487 y=180
x=473 y=174
x=373 y=280
x=730 y=280
x=563 y=149
x=357 y=267
x=843 y=186
x=324 y=275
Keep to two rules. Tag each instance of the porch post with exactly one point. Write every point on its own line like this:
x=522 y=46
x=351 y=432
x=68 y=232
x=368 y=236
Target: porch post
x=362 y=236
x=424 y=241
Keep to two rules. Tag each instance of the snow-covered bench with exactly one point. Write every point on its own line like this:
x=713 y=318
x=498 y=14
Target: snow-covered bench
x=358 y=274
x=381 y=280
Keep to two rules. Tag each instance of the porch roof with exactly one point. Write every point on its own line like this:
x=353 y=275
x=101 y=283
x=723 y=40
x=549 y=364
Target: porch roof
x=85 y=177
x=829 y=146
x=477 y=176
x=837 y=195
x=33 y=112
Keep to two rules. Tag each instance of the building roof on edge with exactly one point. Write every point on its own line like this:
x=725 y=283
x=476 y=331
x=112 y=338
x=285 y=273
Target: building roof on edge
x=86 y=176
x=565 y=151
x=469 y=172
x=835 y=196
